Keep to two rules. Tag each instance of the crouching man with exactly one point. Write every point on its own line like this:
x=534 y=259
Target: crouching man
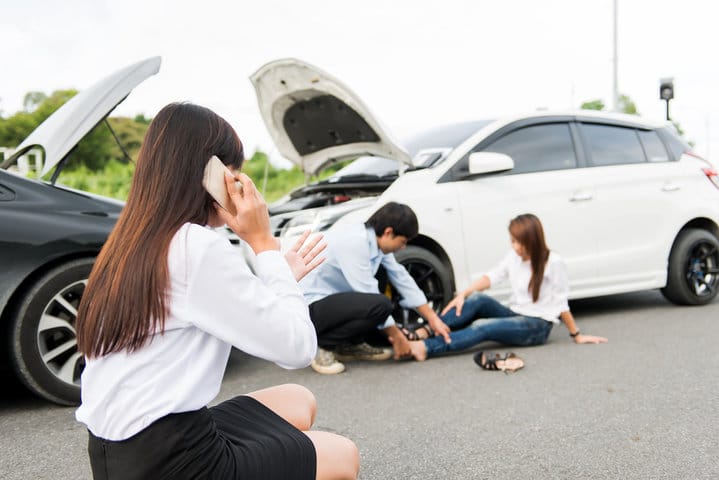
x=343 y=294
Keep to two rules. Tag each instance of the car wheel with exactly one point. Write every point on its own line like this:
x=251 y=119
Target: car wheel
x=431 y=276
x=43 y=344
x=693 y=276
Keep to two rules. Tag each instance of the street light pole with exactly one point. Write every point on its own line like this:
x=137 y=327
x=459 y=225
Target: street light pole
x=615 y=86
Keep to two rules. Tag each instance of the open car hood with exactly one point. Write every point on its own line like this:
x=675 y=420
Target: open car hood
x=315 y=120
x=62 y=130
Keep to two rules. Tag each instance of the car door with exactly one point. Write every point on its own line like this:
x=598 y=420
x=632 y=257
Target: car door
x=547 y=180
x=638 y=189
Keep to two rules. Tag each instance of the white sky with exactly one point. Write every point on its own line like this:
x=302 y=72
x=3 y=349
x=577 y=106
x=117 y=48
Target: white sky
x=414 y=63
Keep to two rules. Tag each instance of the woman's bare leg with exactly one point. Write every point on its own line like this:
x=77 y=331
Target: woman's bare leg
x=337 y=456
x=293 y=402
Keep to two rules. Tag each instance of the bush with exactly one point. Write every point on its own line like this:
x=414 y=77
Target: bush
x=115 y=178
x=112 y=181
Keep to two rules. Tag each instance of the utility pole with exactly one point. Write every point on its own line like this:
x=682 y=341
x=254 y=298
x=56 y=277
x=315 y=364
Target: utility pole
x=615 y=61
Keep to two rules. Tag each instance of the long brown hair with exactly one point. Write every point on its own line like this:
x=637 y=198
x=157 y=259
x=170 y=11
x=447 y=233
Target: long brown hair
x=528 y=231
x=125 y=300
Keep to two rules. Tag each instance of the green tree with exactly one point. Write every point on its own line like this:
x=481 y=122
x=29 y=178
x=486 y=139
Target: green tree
x=130 y=133
x=32 y=100
x=271 y=181
x=141 y=118
x=626 y=105
x=593 y=105
x=15 y=128
x=94 y=151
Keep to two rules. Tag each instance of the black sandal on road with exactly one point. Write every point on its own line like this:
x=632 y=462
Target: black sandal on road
x=411 y=332
x=510 y=362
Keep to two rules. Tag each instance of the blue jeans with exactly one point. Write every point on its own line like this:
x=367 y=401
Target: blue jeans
x=496 y=323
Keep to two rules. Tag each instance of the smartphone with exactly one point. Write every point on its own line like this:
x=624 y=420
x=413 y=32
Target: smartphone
x=214 y=182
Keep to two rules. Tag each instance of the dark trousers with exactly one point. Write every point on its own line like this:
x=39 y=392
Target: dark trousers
x=349 y=317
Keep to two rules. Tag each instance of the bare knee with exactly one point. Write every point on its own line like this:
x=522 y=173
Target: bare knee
x=293 y=402
x=347 y=468
x=353 y=460
x=337 y=456
x=305 y=402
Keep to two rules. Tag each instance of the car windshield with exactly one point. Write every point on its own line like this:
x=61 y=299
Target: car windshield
x=426 y=149
x=443 y=138
x=366 y=167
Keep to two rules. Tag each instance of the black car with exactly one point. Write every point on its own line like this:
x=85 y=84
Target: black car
x=49 y=238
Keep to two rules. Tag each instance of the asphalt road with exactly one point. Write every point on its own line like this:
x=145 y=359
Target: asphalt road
x=645 y=405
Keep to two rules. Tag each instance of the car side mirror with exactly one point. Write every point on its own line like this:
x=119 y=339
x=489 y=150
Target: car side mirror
x=489 y=162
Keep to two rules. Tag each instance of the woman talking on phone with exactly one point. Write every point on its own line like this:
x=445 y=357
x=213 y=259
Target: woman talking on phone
x=540 y=289
x=167 y=299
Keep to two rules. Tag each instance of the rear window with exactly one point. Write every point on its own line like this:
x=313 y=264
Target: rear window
x=653 y=146
x=611 y=145
x=676 y=145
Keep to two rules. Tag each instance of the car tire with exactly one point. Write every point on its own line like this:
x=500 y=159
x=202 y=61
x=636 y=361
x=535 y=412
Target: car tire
x=43 y=342
x=430 y=274
x=693 y=274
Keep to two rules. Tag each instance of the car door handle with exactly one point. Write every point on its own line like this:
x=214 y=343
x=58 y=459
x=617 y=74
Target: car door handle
x=670 y=187
x=581 y=197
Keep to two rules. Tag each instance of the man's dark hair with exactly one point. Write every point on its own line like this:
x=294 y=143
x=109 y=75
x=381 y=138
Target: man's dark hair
x=398 y=216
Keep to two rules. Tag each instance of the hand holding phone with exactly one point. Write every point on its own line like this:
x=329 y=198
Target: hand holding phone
x=243 y=210
x=214 y=182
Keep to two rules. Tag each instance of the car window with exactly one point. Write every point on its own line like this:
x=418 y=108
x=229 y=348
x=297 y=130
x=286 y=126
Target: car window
x=537 y=148
x=653 y=146
x=378 y=166
x=611 y=145
x=676 y=145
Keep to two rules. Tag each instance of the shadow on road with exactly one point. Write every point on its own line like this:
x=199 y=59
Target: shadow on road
x=15 y=395
x=625 y=301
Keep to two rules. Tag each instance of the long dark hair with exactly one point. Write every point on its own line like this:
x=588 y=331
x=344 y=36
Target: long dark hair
x=528 y=231
x=125 y=300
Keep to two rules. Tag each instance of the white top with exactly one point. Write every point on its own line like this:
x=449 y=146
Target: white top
x=553 y=293
x=215 y=302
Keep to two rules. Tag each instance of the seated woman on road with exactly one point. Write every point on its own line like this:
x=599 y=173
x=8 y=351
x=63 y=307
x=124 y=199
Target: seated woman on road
x=167 y=299
x=540 y=287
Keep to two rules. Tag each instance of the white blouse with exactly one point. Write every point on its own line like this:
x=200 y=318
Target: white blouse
x=215 y=303
x=553 y=293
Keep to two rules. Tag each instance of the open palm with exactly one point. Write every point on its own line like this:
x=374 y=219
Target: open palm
x=303 y=256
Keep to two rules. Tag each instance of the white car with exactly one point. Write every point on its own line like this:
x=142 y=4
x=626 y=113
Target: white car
x=624 y=201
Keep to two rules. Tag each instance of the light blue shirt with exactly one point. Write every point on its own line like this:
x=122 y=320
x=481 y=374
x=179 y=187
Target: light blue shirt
x=352 y=259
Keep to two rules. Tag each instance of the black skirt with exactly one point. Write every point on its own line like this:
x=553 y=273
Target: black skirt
x=237 y=439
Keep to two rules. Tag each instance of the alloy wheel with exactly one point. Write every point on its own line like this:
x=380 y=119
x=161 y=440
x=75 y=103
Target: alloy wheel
x=702 y=269
x=56 y=335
